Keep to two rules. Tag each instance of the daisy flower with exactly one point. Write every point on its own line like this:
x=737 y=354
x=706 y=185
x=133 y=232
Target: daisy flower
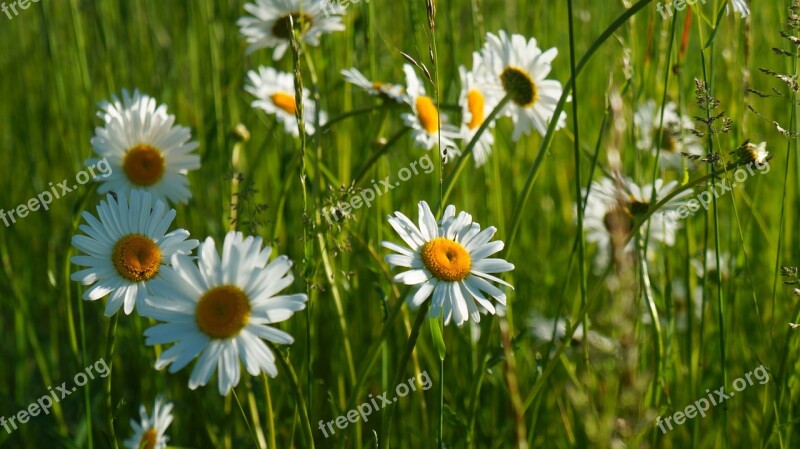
x=477 y=103
x=739 y=6
x=426 y=128
x=275 y=94
x=144 y=148
x=272 y=20
x=612 y=211
x=126 y=249
x=671 y=137
x=220 y=309
x=516 y=66
x=448 y=260
x=149 y=432
x=376 y=89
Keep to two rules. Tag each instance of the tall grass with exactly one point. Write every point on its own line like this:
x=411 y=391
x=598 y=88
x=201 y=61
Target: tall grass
x=495 y=384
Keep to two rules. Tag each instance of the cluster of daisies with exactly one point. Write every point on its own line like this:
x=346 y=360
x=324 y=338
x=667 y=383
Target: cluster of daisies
x=511 y=68
x=615 y=206
x=218 y=308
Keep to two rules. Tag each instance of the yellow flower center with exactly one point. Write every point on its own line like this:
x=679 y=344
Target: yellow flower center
x=428 y=114
x=284 y=101
x=519 y=86
x=223 y=312
x=446 y=259
x=136 y=257
x=377 y=85
x=144 y=165
x=282 y=28
x=475 y=103
x=148 y=440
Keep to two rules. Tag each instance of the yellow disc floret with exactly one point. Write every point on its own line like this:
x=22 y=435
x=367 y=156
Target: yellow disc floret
x=143 y=165
x=136 y=257
x=446 y=259
x=223 y=312
x=428 y=114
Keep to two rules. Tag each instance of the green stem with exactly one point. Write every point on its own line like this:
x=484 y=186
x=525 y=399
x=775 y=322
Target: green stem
x=377 y=155
x=111 y=342
x=286 y=364
x=401 y=369
x=270 y=416
x=462 y=161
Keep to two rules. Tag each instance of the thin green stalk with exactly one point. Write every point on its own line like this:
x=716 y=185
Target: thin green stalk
x=270 y=416
x=578 y=184
x=308 y=244
x=286 y=364
x=337 y=301
x=401 y=369
x=377 y=155
x=462 y=161
x=653 y=311
x=252 y=404
x=110 y=411
x=720 y=302
x=355 y=113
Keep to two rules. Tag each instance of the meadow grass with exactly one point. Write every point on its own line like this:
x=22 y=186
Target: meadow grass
x=357 y=338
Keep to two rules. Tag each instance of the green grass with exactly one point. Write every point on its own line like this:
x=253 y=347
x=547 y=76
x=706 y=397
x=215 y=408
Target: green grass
x=60 y=58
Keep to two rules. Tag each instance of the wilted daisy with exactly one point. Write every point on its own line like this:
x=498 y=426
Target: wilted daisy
x=739 y=6
x=144 y=148
x=477 y=103
x=613 y=210
x=376 y=89
x=426 y=128
x=672 y=136
x=220 y=309
x=547 y=330
x=126 y=249
x=272 y=22
x=448 y=260
x=757 y=154
x=275 y=94
x=517 y=67
x=149 y=432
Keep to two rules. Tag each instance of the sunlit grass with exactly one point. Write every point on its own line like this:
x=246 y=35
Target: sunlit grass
x=504 y=389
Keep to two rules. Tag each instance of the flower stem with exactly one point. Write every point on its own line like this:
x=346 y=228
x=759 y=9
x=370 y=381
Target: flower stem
x=110 y=342
x=401 y=369
x=468 y=151
x=286 y=364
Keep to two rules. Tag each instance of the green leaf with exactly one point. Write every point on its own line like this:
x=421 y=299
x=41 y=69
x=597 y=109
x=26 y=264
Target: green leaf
x=438 y=338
